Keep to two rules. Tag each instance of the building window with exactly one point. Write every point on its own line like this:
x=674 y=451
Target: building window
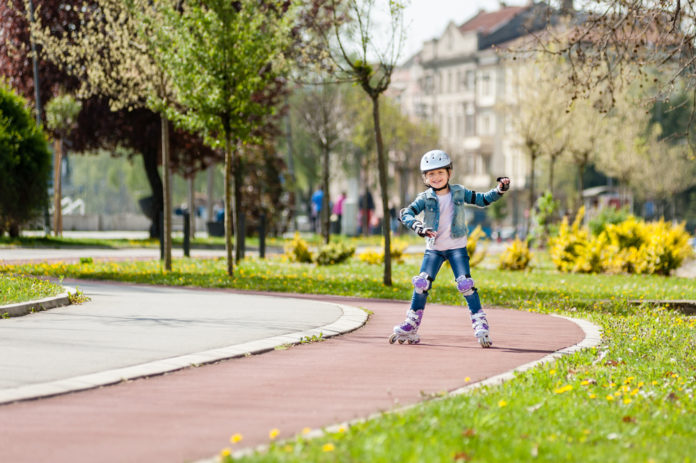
x=470 y=80
x=470 y=121
x=486 y=84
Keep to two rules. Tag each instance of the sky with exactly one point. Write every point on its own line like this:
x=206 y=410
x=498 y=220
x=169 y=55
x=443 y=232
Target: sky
x=427 y=19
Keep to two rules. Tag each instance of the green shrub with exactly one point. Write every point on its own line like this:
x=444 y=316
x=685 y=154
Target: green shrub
x=516 y=256
x=334 y=253
x=25 y=163
x=297 y=250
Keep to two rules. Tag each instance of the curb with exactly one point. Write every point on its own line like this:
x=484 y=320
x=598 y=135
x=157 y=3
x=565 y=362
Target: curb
x=593 y=338
x=352 y=319
x=24 y=308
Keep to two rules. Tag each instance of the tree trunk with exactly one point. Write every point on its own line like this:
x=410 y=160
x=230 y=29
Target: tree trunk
x=228 y=203
x=325 y=212
x=532 y=198
x=155 y=181
x=382 y=167
x=239 y=226
x=192 y=204
x=551 y=172
x=581 y=183
x=211 y=193
x=167 y=198
x=57 y=193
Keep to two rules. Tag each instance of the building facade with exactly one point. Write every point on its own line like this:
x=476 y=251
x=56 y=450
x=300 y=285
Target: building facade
x=461 y=82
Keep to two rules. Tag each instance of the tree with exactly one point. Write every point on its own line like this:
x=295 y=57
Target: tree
x=614 y=42
x=111 y=55
x=61 y=117
x=25 y=163
x=352 y=47
x=321 y=109
x=224 y=59
x=98 y=126
x=542 y=121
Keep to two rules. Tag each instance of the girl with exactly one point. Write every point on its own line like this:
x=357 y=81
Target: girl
x=444 y=227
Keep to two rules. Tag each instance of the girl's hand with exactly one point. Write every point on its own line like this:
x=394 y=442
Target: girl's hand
x=503 y=184
x=431 y=234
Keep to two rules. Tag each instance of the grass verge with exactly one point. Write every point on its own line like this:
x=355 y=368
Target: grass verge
x=14 y=289
x=630 y=400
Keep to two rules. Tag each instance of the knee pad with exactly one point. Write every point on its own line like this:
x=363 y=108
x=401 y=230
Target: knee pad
x=421 y=283
x=465 y=285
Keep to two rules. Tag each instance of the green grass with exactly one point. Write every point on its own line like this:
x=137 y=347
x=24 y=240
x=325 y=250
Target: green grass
x=631 y=399
x=14 y=289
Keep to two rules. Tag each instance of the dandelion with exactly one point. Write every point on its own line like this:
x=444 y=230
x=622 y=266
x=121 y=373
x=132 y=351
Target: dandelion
x=467 y=379
x=273 y=433
x=328 y=447
x=236 y=438
x=593 y=396
x=552 y=372
x=610 y=397
x=563 y=389
x=502 y=403
x=226 y=452
x=306 y=431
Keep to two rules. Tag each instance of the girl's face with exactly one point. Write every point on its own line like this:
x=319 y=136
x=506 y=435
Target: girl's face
x=437 y=178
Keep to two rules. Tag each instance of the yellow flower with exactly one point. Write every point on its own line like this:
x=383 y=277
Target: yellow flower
x=610 y=398
x=273 y=433
x=585 y=383
x=226 y=452
x=467 y=379
x=306 y=431
x=593 y=396
x=236 y=438
x=502 y=403
x=328 y=447
x=341 y=429
x=563 y=389
x=627 y=400
x=552 y=372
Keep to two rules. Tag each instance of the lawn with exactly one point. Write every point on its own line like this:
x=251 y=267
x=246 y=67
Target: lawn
x=631 y=399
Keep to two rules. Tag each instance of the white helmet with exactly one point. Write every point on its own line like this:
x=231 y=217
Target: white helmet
x=435 y=159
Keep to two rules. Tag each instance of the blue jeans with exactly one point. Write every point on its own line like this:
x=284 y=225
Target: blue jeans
x=459 y=261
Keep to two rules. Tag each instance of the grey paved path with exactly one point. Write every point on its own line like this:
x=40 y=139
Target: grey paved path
x=131 y=330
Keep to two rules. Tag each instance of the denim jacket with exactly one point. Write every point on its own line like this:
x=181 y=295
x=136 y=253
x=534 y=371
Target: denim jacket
x=427 y=202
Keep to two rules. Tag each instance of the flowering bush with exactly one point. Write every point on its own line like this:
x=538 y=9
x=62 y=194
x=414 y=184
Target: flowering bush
x=516 y=256
x=632 y=246
x=397 y=248
x=472 y=240
x=298 y=250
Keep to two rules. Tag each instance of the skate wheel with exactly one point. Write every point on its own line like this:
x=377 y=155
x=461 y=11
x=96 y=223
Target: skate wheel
x=485 y=342
x=392 y=339
x=411 y=341
x=401 y=341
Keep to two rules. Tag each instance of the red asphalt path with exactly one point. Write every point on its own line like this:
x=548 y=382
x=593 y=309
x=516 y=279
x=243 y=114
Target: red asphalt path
x=190 y=414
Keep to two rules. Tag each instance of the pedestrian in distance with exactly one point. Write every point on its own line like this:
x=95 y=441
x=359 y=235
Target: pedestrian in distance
x=338 y=209
x=444 y=228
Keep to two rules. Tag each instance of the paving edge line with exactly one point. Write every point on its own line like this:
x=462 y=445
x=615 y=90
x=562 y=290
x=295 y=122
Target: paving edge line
x=25 y=308
x=592 y=338
x=352 y=319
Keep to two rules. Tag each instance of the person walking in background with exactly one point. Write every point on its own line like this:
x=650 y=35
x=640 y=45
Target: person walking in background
x=316 y=202
x=367 y=206
x=338 y=209
x=444 y=227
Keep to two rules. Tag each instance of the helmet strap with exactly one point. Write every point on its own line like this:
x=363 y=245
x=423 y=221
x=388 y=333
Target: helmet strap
x=441 y=188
